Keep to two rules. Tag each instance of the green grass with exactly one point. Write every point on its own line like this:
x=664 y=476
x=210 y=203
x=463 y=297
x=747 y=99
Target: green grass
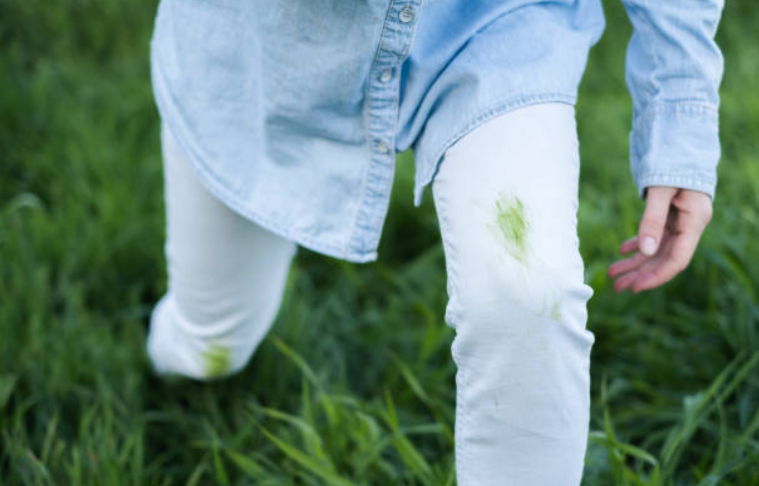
x=355 y=384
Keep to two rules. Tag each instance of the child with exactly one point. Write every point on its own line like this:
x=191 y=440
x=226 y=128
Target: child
x=280 y=125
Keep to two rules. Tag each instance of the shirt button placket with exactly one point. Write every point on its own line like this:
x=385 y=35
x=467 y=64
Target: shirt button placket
x=383 y=102
x=396 y=42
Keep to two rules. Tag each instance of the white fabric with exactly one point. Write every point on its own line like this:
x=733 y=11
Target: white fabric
x=518 y=309
x=521 y=346
x=226 y=279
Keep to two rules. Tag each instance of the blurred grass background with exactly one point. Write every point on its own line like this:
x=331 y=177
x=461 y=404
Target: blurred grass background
x=354 y=384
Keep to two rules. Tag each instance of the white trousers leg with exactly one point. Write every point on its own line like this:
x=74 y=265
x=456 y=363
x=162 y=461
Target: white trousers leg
x=226 y=278
x=506 y=195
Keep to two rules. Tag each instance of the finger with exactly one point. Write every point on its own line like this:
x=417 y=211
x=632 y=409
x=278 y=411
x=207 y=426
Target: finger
x=621 y=266
x=691 y=217
x=654 y=218
x=678 y=252
x=629 y=277
x=629 y=245
x=654 y=273
x=658 y=273
x=625 y=281
x=696 y=203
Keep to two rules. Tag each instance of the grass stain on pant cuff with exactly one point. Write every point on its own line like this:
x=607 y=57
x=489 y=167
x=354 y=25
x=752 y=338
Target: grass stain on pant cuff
x=217 y=361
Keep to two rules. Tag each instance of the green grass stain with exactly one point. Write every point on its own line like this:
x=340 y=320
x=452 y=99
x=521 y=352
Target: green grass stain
x=555 y=312
x=513 y=225
x=217 y=361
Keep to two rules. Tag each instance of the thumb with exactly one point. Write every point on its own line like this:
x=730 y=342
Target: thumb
x=654 y=219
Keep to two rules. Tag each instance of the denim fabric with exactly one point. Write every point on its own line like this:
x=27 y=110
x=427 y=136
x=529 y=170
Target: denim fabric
x=292 y=112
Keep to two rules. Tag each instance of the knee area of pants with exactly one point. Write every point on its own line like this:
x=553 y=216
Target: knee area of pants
x=519 y=309
x=539 y=290
x=209 y=320
x=203 y=350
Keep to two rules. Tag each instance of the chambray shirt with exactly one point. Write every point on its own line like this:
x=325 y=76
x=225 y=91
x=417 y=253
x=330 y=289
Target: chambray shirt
x=292 y=111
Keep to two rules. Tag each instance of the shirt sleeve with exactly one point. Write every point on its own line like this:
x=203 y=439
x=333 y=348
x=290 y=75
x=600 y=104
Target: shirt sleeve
x=673 y=70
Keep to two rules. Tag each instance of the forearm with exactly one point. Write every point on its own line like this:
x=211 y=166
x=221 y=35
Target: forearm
x=673 y=71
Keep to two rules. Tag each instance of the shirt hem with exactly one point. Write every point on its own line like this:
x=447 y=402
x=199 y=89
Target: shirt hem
x=209 y=180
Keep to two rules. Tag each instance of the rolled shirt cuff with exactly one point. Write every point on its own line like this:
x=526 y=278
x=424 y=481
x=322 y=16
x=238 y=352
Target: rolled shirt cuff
x=676 y=145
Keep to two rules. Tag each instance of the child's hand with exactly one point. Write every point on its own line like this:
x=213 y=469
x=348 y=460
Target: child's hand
x=675 y=219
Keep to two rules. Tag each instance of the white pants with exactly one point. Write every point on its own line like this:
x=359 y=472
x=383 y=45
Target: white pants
x=506 y=197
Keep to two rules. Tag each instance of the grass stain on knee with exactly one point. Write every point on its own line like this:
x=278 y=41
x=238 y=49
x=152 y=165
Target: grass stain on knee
x=513 y=226
x=217 y=361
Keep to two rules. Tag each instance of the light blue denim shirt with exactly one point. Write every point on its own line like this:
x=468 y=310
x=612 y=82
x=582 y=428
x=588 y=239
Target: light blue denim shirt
x=292 y=111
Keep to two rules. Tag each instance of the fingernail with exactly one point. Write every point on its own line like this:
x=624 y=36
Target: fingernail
x=648 y=246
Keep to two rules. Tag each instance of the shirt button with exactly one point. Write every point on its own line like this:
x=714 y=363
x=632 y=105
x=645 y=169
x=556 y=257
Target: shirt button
x=382 y=146
x=386 y=75
x=406 y=15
